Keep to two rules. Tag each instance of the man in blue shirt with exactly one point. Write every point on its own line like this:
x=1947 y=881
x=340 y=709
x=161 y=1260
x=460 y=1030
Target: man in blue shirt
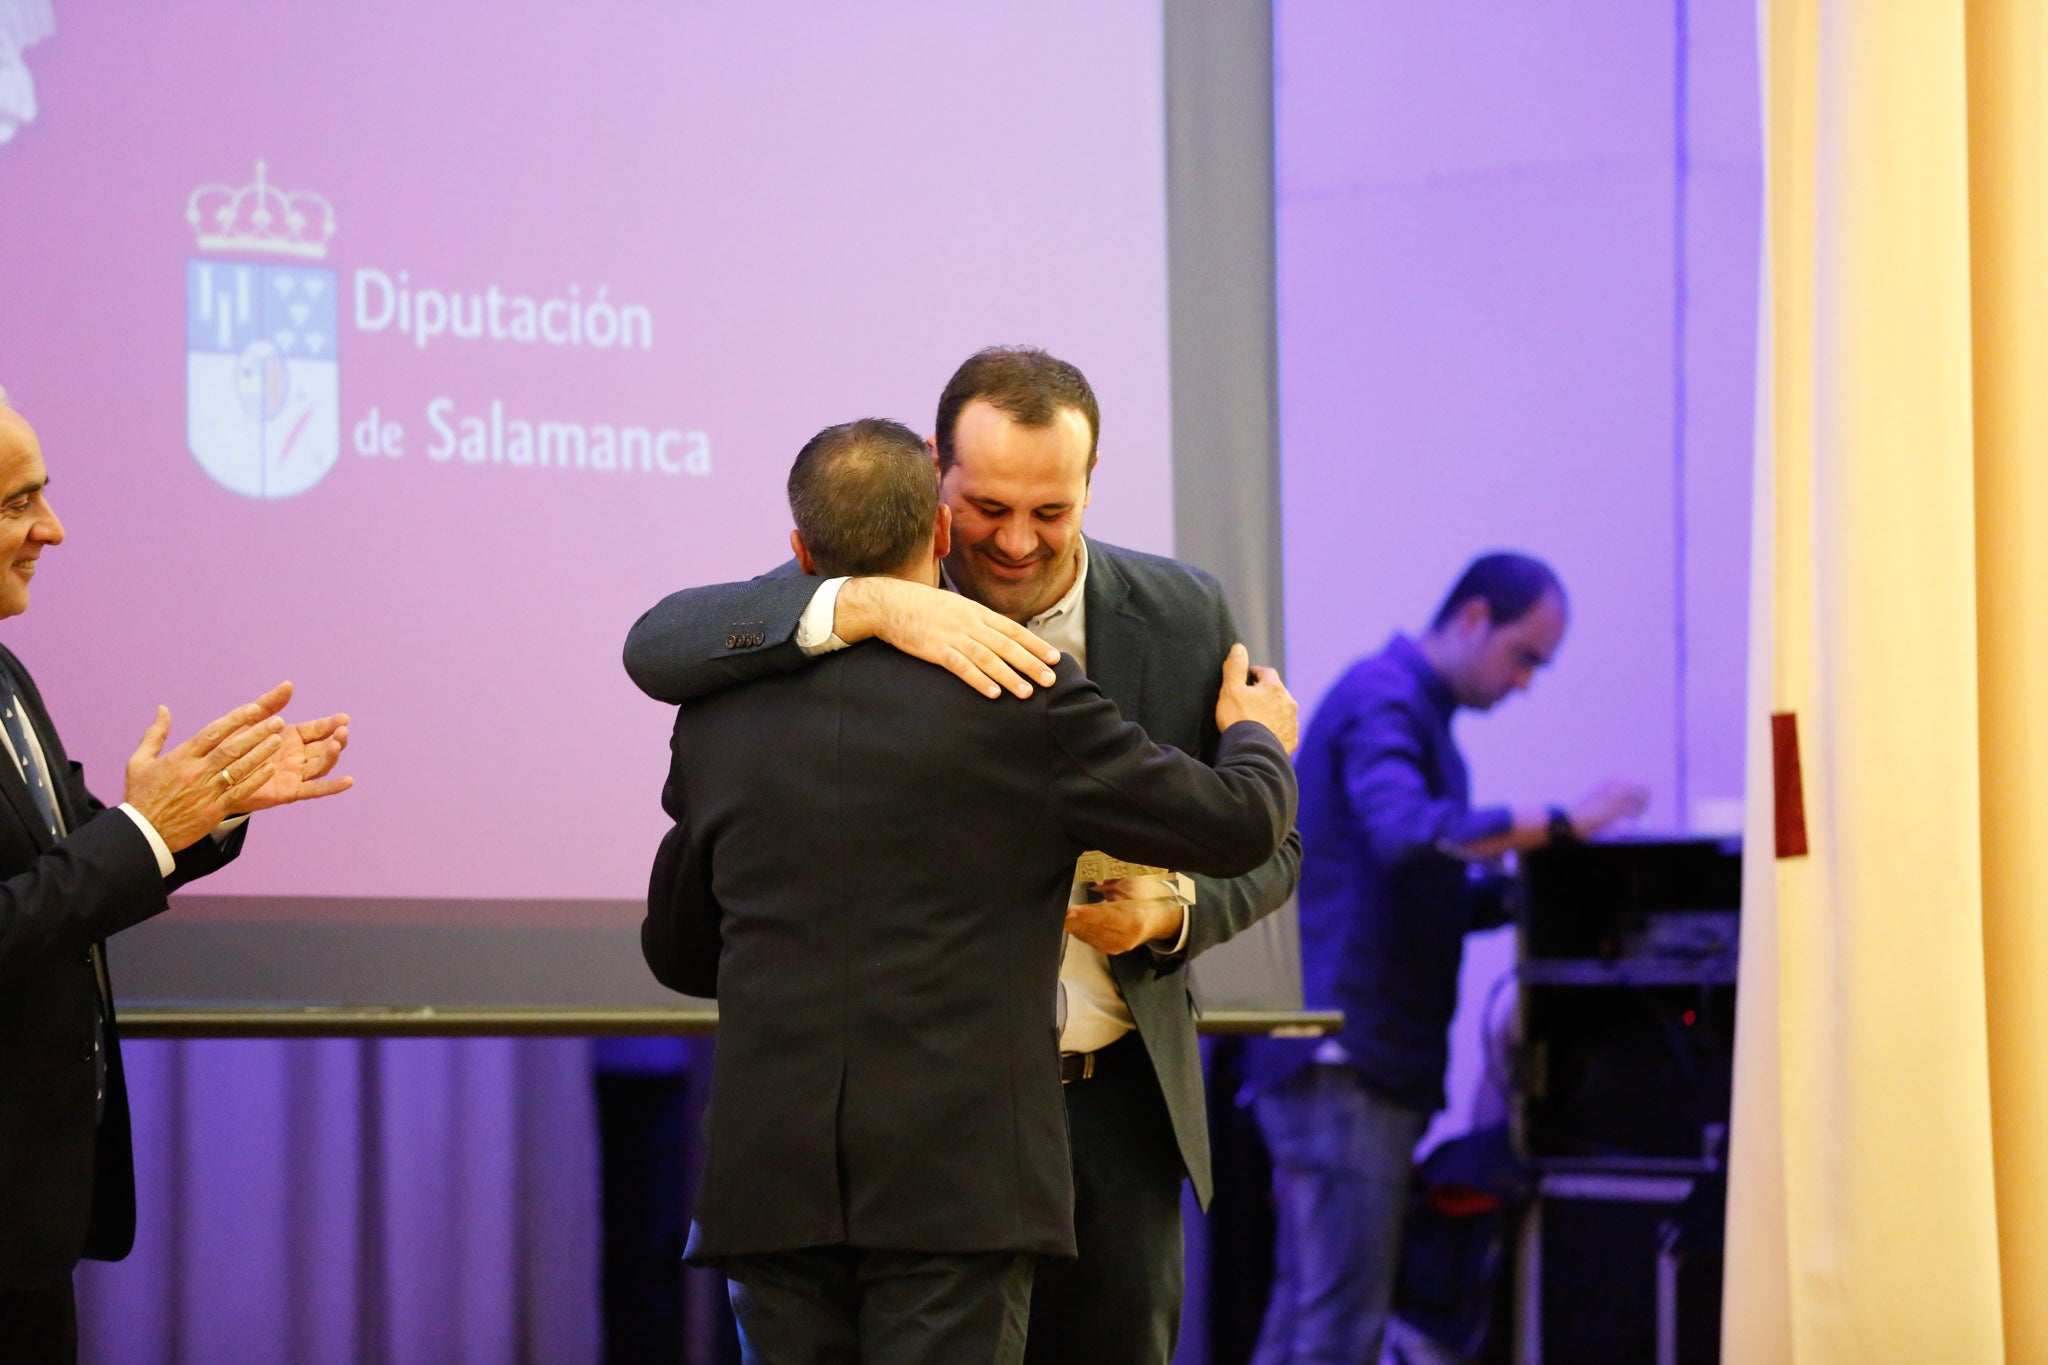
x=1392 y=878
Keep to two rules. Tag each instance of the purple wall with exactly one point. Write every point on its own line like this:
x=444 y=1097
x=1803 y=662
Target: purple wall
x=1517 y=309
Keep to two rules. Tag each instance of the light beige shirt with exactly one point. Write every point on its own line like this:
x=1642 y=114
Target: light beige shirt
x=1096 y=1013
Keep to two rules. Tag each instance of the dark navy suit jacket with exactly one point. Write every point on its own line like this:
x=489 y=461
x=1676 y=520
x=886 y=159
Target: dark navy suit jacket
x=869 y=869
x=1158 y=631
x=67 y=1183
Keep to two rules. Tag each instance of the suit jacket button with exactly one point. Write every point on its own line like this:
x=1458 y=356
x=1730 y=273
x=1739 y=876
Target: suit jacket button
x=85 y=1053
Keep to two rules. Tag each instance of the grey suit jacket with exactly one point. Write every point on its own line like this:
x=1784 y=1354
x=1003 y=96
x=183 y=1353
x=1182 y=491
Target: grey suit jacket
x=1158 y=631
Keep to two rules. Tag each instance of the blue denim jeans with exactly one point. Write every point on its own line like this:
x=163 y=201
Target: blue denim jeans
x=1341 y=1157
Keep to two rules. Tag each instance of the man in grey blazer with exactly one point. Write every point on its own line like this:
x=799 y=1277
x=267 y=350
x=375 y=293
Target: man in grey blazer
x=1015 y=444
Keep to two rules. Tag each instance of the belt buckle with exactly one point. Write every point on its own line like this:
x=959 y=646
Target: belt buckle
x=1087 y=1061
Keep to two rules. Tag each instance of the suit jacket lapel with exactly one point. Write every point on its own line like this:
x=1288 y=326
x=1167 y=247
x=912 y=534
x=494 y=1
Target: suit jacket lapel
x=23 y=804
x=11 y=783
x=1116 y=644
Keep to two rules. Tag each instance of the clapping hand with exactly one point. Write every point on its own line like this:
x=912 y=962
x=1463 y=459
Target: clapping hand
x=247 y=760
x=306 y=753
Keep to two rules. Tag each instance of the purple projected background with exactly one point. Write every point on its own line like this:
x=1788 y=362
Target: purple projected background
x=1517 y=295
x=804 y=214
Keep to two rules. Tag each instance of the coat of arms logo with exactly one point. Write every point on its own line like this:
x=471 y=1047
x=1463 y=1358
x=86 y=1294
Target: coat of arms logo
x=262 y=395
x=23 y=24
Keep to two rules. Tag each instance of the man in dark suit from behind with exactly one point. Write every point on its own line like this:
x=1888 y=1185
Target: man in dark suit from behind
x=72 y=873
x=1015 y=443
x=870 y=870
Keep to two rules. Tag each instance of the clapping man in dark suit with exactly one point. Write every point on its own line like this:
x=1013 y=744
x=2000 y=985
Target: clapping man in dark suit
x=1015 y=446
x=870 y=869
x=72 y=873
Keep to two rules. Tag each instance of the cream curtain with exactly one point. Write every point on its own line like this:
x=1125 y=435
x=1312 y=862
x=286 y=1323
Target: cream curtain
x=1888 y=1200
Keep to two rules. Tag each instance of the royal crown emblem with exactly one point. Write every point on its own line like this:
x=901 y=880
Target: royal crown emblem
x=262 y=386
x=261 y=218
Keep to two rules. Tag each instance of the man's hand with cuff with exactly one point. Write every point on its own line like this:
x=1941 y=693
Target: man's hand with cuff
x=1134 y=911
x=247 y=760
x=984 y=649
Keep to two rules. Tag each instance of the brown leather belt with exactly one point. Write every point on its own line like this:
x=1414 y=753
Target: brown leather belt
x=1076 y=1066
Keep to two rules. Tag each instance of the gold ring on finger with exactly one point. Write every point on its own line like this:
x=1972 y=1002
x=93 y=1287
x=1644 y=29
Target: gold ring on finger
x=225 y=780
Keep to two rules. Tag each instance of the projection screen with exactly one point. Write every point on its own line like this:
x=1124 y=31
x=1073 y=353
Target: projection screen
x=410 y=352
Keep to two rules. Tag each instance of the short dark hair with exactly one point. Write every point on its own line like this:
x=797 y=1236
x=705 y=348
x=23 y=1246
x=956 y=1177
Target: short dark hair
x=864 y=497
x=1510 y=584
x=1026 y=384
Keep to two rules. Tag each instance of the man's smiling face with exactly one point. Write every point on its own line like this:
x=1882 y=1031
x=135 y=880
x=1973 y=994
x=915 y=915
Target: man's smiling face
x=1017 y=493
x=27 y=525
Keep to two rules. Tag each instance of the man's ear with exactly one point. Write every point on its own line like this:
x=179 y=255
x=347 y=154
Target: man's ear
x=1474 y=616
x=803 y=555
x=942 y=532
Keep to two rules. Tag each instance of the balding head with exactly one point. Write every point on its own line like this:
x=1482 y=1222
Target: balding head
x=865 y=498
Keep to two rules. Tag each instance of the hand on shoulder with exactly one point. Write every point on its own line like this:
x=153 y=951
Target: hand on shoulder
x=983 y=648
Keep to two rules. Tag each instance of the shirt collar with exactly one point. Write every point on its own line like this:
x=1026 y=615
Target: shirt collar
x=1434 y=685
x=1072 y=599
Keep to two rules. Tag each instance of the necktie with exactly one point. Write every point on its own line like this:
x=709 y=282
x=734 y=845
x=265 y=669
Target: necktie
x=25 y=754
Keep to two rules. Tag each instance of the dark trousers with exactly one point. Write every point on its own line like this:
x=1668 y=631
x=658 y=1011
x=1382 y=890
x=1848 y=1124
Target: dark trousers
x=1119 y=1304
x=39 y=1326
x=840 y=1305
x=643 y=1129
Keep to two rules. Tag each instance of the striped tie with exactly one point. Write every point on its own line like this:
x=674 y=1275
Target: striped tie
x=25 y=755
